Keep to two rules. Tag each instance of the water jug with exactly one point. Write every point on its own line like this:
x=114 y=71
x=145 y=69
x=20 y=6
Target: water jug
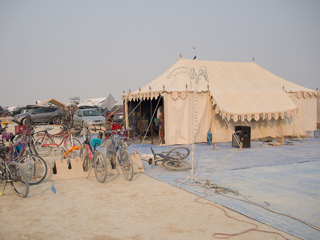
x=209 y=138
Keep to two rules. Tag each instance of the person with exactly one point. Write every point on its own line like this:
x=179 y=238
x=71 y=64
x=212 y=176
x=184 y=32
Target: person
x=160 y=122
x=108 y=127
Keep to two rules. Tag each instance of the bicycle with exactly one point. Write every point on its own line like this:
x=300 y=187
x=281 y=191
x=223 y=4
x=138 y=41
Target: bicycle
x=23 y=152
x=45 y=141
x=116 y=151
x=172 y=160
x=92 y=158
x=11 y=172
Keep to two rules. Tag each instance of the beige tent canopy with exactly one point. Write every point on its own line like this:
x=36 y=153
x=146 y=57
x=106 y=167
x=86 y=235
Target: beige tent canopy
x=52 y=101
x=233 y=93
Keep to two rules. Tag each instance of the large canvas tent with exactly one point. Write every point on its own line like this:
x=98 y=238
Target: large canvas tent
x=227 y=94
x=108 y=102
x=92 y=102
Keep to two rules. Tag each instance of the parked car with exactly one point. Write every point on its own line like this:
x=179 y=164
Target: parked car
x=119 y=119
x=88 y=118
x=105 y=113
x=20 y=109
x=39 y=115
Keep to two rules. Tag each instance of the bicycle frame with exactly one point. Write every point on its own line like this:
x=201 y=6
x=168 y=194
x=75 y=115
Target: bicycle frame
x=118 y=144
x=54 y=144
x=88 y=146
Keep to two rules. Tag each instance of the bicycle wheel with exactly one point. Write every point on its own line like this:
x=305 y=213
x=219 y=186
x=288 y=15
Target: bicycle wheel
x=2 y=172
x=100 y=167
x=83 y=150
x=34 y=167
x=179 y=153
x=110 y=153
x=41 y=145
x=18 y=179
x=124 y=145
x=76 y=142
x=126 y=165
x=176 y=165
x=86 y=163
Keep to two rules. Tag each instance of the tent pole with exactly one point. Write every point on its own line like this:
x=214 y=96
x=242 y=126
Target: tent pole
x=163 y=123
x=234 y=134
x=132 y=135
x=151 y=120
x=125 y=103
x=140 y=121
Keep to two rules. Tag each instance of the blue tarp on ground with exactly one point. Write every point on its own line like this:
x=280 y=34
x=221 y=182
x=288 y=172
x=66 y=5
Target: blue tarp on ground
x=286 y=179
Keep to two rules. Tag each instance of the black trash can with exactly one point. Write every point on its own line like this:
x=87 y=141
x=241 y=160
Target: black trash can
x=244 y=135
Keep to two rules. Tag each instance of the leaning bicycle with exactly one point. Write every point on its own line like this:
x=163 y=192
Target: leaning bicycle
x=173 y=159
x=116 y=151
x=46 y=142
x=92 y=158
x=11 y=172
x=24 y=153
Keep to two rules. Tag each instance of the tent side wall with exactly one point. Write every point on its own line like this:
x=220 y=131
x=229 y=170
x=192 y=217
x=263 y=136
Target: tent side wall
x=259 y=129
x=306 y=118
x=178 y=122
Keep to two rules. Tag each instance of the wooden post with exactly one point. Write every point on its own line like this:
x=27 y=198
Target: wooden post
x=132 y=135
x=140 y=121
x=162 y=138
x=151 y=114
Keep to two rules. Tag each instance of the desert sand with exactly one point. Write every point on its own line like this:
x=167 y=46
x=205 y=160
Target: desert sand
x=145 y=208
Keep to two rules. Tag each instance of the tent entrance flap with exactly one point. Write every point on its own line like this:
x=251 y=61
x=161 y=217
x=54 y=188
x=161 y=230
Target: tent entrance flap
x=179 y=118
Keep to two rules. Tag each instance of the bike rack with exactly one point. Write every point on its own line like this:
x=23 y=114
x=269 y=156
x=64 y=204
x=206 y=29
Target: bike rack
x=62 y=172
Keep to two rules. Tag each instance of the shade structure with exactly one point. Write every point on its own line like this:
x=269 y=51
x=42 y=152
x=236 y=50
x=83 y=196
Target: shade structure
x=237 y=92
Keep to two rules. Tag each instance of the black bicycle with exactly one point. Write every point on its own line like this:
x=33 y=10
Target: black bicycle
x=11 y=172
x=173 y=159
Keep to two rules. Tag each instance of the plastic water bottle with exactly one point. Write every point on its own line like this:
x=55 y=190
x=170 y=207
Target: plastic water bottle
x=116 y=136
x=209 y=138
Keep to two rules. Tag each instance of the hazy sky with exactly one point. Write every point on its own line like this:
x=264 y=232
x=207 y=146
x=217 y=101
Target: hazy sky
x=65 y=48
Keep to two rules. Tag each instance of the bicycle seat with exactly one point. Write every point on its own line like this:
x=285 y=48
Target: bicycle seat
x=95 y=142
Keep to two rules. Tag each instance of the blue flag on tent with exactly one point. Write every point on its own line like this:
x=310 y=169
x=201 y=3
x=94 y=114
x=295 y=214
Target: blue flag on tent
x=194 y=57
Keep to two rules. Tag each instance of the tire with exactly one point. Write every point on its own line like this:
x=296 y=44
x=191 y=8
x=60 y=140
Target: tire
x=124 y=145
x=86 y=162
x=176 y=165
x=34 y=167
x=83 y=150
x=100 y=167
x=76 y=142
x=56 y=121
x=40 y=148
x=18 y=179
x=126 y=165
x=23 y=121
x=2 y=170
x=32 y=146
x=18 y=138
x=176 y=153
x=110 y=153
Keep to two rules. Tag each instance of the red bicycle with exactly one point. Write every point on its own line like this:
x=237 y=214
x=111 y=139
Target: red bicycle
x=46 y=142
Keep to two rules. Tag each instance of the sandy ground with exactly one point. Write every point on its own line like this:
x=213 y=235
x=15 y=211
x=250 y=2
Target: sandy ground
x=144 y=208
